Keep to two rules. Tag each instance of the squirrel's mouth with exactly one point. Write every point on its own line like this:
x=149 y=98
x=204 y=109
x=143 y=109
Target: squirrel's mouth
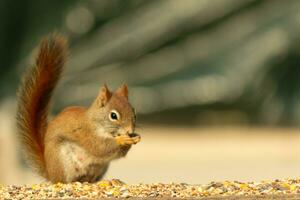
x=133 y=135
x=130 y=134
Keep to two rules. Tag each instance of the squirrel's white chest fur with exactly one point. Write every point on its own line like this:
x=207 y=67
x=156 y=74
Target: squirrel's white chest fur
x=78 y=163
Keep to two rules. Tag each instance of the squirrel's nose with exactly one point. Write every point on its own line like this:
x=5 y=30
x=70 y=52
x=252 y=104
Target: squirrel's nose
x=129 y=129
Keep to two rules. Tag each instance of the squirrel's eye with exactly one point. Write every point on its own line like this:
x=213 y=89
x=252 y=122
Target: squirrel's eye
x=114 y=115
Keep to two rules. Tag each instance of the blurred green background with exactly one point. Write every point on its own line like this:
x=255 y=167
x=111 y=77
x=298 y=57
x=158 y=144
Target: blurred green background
x=188 y=63
x=195 y=61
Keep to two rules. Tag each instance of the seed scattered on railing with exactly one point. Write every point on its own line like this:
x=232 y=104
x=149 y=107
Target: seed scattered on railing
x=118 y=189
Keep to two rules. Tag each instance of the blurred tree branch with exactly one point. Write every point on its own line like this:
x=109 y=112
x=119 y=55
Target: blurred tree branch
x=174 y=54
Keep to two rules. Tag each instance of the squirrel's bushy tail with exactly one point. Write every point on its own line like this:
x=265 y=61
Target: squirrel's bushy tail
x=34 y=96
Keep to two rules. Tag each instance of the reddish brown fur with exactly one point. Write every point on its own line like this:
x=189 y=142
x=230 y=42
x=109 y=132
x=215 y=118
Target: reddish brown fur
x=34 y=97
x=85 y=133
x=120 y=102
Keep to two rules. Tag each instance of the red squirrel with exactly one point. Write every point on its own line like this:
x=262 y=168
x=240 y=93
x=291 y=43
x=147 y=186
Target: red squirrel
x=79 y=143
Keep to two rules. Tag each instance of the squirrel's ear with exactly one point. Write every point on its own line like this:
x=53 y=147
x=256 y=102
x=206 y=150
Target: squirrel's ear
x=104 y=96
x=123 y=90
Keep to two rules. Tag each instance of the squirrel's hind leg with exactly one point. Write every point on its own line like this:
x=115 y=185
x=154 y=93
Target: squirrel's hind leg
x=95 y=172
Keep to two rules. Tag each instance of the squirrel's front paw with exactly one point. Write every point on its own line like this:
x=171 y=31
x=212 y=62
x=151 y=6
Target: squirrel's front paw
x=136 y=138
x=123 y=140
